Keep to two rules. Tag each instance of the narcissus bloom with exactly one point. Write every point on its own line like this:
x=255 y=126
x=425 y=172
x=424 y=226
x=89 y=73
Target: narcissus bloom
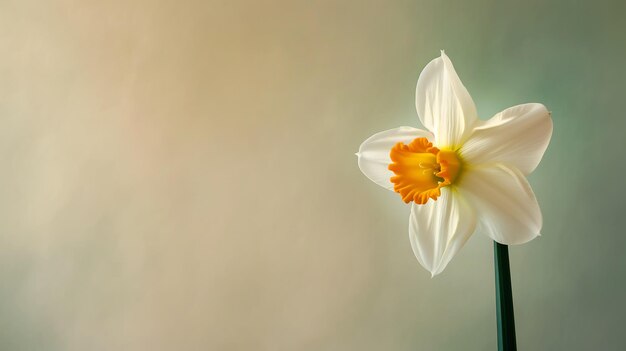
x=462 y=174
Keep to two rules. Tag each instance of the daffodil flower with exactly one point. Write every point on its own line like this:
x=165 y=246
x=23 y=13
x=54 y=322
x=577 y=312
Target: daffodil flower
x=462 y=174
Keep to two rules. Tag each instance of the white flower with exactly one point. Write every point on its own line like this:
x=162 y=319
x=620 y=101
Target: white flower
x=463 y=174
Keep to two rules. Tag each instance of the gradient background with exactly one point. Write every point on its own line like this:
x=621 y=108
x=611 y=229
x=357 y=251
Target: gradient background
x=181 y=175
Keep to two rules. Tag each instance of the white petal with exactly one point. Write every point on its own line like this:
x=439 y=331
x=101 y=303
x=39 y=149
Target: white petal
x=374 y=152
x=439 y=229
x=517 y=136
x=443 y=104
x=505 y=203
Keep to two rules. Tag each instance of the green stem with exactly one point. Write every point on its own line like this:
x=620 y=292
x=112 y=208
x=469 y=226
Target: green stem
x=504 y=299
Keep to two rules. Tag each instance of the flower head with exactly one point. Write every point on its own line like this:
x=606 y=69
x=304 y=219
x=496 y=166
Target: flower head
x=462 y=173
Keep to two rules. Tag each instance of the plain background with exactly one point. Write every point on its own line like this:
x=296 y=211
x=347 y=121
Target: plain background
x=180 y=175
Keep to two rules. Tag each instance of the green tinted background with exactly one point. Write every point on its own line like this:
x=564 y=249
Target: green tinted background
x=180 y=175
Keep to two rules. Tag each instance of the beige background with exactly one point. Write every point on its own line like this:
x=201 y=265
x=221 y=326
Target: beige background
x=181 y=175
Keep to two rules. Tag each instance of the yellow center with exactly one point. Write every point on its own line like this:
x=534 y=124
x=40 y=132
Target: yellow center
x=421 y=170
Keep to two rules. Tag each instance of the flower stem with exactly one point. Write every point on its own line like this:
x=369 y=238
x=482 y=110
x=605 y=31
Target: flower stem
x=504 y=299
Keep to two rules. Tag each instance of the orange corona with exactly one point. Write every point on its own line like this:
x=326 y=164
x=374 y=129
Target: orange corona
x=421 y=170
